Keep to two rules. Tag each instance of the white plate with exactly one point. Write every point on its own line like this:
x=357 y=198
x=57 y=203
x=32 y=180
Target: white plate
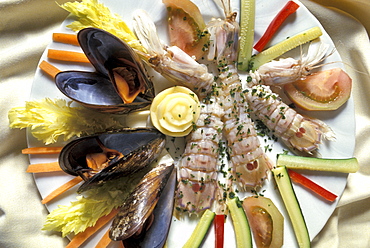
x=316 y=211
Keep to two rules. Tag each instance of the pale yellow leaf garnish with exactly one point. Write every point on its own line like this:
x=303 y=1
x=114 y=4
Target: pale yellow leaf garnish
x=91 y=13
x=51 y=119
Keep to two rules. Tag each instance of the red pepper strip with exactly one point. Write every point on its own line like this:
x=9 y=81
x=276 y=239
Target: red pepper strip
x=219 y=230
x=298 y=178
x=283 y=14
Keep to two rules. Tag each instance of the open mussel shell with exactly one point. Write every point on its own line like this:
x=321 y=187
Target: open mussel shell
x=128 y=151
x=115 y=59
x=120 y=83
x=95 y=91
x=156 y=235
x=135 y=222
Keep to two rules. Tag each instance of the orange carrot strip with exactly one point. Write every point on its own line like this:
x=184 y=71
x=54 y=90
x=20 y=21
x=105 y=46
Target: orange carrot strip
x=120 y=245
x=62 y=189
x=104 y=241
x=66 y=38
x=42 y=150
x=83 y=236
x=44 y=167
x=67 y=56
x=49 y=69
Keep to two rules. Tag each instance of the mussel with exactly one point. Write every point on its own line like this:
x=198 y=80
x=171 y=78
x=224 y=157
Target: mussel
x=144 y=218
x=120 y=83
x=107 y=156
x=156 y=235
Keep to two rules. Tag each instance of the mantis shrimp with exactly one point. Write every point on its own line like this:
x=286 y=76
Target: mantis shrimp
x=197 y=168
x=249 y=163
x=300 y=133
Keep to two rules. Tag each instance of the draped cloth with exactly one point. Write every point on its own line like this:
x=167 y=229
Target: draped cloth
x=25 y=31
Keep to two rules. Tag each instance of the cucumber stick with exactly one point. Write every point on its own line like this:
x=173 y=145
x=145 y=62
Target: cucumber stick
x=348 y=165
x=240 y=222
x=247 y=20
x=284 y=46
x=292 y=206
x=200 y=230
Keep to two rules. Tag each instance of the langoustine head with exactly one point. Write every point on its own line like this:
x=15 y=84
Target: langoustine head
x=288 y=70
x=170 y=61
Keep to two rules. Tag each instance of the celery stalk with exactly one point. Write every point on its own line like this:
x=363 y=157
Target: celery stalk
x=284 y=46
x=247 y=19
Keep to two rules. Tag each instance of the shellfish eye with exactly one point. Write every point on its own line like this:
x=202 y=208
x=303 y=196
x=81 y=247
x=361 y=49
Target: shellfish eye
x=255 y=164
x=198 y=187
x=250 y=166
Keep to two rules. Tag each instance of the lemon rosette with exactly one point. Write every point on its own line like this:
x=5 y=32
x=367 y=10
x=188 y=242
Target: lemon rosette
x=174 y=111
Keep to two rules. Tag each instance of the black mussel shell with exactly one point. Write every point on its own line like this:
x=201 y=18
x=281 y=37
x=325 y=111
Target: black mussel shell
x=159 y=223
x=93 y=90
x=115 y=63
x=98 y=89
x=138 y=208
x=139 y=147
x=106 y=53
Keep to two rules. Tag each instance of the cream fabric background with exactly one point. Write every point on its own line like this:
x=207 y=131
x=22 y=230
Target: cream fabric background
x=25 y=30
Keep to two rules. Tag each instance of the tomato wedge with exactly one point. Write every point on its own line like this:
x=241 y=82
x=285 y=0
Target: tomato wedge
x=266 y=221
x=187 y=29
x=325 y=90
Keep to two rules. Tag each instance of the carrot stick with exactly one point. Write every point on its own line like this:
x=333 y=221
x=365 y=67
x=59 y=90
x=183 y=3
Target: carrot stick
x=42 y=150
x=218 y=224
x=304 y=181
x=83 y=236
x=61 y=189
x=49 y=69
x=104 y=241
x=44 y=167
x=120 y=245
x=66 y=38
x=67 y=56
x=278 y=20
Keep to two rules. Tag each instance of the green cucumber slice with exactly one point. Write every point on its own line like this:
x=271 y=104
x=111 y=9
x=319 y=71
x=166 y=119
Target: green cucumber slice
x=284 y=46
x=247 y=21
x=348 y=165
x=292 y=206
x=240 y=222
x=200 y=230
